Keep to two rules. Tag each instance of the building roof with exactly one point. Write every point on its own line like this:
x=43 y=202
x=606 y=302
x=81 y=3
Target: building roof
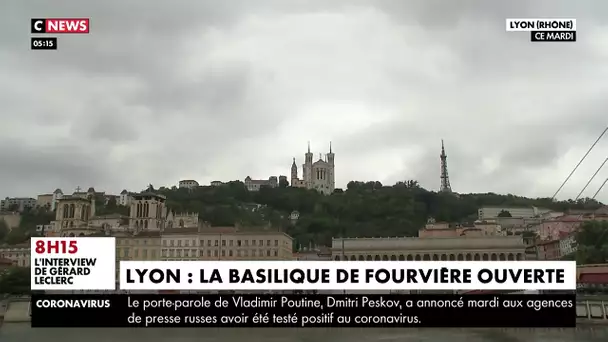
x=124 y=192
x=148 y=194
x=602 y=211
x=593 y=278
x=67 y=198
x=566 y=218
x=109 y=216
x=181 y=231
x=147 y=234
x=547 y=242
x=6 y=262
x=57 y=191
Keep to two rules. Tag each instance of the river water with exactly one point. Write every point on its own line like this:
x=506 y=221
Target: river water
x=16 y=332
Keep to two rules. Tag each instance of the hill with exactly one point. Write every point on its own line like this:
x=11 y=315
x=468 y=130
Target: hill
x=364 y=209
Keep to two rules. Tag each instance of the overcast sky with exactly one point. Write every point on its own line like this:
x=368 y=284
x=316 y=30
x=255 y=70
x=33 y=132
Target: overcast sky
x=219 y=90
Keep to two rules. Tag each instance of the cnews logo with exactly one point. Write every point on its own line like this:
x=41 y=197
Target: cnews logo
x=60 y=25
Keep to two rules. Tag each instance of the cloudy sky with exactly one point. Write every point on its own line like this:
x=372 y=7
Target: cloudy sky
x=218 y=90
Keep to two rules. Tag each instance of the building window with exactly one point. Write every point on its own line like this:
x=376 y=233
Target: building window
x=179 y=243
x=238 y=243
x=214 y=253
x=276 y=243
x=223 y=243
x=267 y=242
x=209 y=253
x=230 y=252
x=276 y=253
x=223 y=253
x=187 y=243
x=253 y=242
x=253 y=253
x=216 y=243
x=261 y=242
x=268 y=253
x=246 y=242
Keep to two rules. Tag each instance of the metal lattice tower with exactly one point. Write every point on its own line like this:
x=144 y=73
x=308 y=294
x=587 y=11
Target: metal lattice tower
x=445 y=179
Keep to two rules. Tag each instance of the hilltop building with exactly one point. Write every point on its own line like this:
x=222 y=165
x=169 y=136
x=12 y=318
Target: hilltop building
x=256 y=184
x=188 y=184
x=18 y=203
x=317 y=175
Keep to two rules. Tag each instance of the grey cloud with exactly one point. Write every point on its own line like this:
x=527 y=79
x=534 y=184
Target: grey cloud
x=213 y=90
x=38 y=169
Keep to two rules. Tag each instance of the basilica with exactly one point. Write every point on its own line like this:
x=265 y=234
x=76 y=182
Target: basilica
x=318 y=175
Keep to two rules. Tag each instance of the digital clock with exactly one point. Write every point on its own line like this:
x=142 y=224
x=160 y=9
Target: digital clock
x=44 y=43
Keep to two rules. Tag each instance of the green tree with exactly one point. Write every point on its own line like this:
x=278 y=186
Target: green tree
x=15 y=281
x=504 y=213
x=363 y=209
x=592 y=243
x=3 y=229
x=283 y=183
x=17 y=235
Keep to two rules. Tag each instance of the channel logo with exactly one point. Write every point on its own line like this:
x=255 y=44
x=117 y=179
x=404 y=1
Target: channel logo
x=56 y=25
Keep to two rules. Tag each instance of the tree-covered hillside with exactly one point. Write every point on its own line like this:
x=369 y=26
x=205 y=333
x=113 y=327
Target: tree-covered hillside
x=363 y=209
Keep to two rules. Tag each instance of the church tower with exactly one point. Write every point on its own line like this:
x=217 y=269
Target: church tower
x=330 y=161
x=307 y=168
x=294 y=172
x=148 y=212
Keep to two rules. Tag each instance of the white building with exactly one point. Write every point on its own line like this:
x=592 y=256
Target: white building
x=317 y=175
x=188 y=184
x=567 y=244
x=180 y=244
x=487 y=213
x=44 y=228
x=125 y=198
x=19 y=202
x=256 y=184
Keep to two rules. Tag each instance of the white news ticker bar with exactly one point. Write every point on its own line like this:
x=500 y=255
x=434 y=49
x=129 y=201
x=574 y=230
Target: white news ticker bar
x=190 y=275
x=539 y=24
